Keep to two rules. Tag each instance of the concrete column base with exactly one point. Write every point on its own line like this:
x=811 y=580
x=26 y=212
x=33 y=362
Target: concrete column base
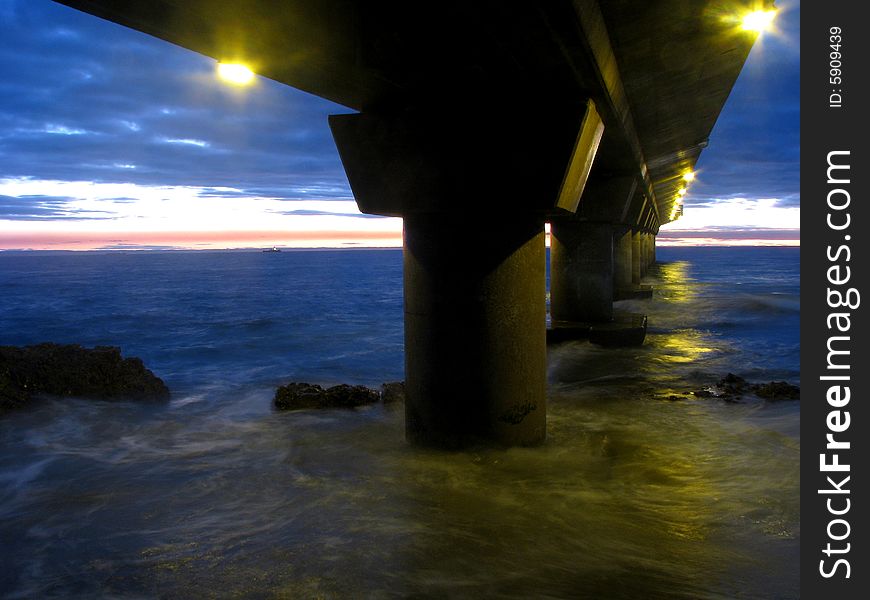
x=475 y=330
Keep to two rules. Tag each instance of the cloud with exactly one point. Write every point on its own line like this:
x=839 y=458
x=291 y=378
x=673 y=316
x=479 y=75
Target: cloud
x=126 y=100
x=732 y=233
x=308 y=212
x=85 y=100
x=754 y=148
x=45 y=208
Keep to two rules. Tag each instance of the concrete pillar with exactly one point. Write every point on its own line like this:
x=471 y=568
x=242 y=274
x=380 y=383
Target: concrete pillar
x=473 y=184
x=635 y=257
x=643 y=248
x=647 y=253
x=653 y=248
x=644 y=253
x=622 y=261
x=581 y=271
x=475 y=330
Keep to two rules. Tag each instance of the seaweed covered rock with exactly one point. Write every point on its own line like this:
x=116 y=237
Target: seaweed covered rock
x=732 y=387
x=297 y=395
x=71 y=370
x=777 y=390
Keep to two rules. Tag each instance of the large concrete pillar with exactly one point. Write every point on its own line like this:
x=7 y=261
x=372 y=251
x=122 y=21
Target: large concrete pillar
x=635 y=257
x=581 y=271
x=473 y=184
x=475 y=330
x=652 y=245
x=622 y=261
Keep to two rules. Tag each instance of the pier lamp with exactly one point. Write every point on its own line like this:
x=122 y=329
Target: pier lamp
x=758 y=21
x=689 y=176
x=681 y=192
x=235 y=73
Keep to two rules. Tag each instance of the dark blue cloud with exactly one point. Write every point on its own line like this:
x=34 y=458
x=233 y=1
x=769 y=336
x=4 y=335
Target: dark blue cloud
x=754 y=149
x=45 y=208
x=309 y=212
x=84 y=99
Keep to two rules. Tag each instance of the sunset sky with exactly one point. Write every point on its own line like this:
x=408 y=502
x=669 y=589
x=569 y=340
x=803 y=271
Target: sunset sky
x=111 y=139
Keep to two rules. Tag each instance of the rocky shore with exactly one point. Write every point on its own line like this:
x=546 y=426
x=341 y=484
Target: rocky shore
x=69 y=370
x=733 y=388
x=299 y=395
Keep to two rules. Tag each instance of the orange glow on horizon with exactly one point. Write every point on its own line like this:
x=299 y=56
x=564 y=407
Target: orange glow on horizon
x=194 y=240
x=221 y=240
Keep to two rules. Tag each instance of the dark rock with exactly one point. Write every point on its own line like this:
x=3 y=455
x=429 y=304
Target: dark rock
x=732 y=388
x=393 y=392
x=350 y=396
x=297 y=395
x=732 y=385
x=777 y=390
x=731 y=378
x=70 y=370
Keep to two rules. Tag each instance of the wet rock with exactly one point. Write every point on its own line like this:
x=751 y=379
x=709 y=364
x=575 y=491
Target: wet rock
x=777 y=390
x=732 y=385
x=298 y=395
x=350 y=396
x=393 y=391
x=71 y=370
x=732 y=388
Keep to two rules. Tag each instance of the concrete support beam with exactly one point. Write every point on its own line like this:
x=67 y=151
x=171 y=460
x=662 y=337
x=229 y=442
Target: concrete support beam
x=622 y=260
x=581 y=271
x=635 y=257
x=475 y=330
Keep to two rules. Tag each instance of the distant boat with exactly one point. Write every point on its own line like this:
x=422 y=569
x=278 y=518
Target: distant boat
x=272 y=249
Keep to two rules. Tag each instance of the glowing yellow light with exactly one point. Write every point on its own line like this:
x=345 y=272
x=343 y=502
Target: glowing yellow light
x=759 y=21
x=235 y=73
x=689 y=176
x=681 y=191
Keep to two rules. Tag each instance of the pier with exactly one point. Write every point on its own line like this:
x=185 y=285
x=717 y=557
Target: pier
x=479 y=122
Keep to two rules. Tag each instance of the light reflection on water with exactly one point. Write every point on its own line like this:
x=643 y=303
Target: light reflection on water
x=215 y=495
x=629 y=498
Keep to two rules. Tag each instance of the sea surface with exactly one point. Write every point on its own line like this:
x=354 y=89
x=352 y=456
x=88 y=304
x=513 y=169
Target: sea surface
x=216 y=495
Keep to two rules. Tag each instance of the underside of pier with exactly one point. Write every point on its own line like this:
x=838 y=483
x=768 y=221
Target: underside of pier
x=477 y=122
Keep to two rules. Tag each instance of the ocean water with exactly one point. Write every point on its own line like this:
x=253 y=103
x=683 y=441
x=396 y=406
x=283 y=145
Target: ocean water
x=215 y=495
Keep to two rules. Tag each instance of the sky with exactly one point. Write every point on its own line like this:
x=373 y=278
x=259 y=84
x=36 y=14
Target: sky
x=111 y=139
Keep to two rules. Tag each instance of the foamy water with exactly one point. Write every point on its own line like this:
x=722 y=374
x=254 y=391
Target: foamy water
x=214 y=494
